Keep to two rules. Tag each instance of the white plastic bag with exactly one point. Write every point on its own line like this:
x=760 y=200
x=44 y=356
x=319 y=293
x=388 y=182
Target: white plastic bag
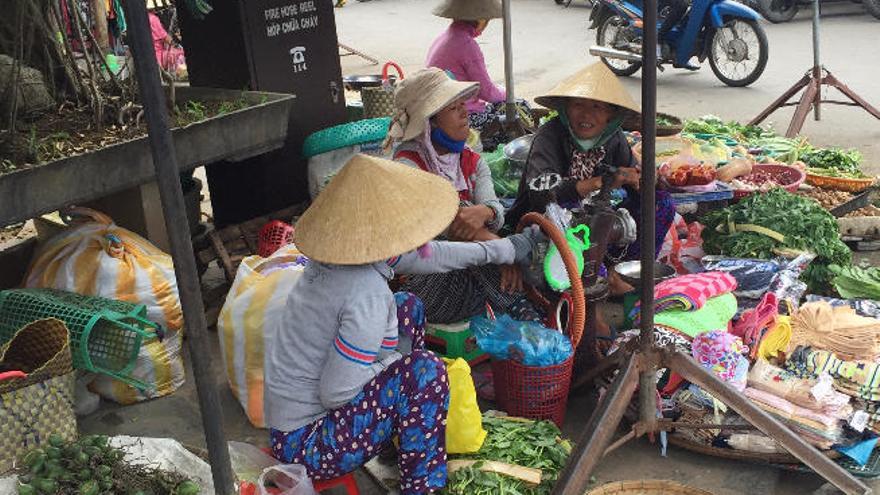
x=291 y=479
x=324 y=166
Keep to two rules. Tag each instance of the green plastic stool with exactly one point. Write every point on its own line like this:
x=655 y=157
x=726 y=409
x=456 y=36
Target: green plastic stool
x=456 y=340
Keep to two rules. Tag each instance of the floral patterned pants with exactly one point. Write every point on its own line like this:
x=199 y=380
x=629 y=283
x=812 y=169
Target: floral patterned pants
x=409 y=399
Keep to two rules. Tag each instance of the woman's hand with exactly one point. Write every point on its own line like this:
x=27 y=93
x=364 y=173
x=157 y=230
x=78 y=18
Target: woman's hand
x=469 y=221
x=511 y=279
x=627 y=176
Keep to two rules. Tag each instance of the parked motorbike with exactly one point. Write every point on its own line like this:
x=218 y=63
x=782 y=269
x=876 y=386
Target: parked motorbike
x=778 y=11
x=724 y=31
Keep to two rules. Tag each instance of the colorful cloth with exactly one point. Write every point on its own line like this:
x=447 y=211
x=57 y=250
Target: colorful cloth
x=722 y=353
x=715 y=315
x=409 y=399
x=456 y=51
x=689 y=292
x=754 y=323
x=858 y=379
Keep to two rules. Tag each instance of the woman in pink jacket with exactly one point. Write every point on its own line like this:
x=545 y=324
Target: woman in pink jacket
x=456 y=51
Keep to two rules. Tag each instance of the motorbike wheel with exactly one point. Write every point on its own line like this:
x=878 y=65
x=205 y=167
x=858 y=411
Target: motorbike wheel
x=559 y=2
x=738 y=52
x=777 y=11
x=607 y=34
x=873 y=7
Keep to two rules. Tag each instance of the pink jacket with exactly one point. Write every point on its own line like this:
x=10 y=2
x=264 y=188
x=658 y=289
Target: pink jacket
x=456 y=51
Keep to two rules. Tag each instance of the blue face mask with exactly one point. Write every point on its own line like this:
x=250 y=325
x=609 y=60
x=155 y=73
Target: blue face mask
x=443 y=139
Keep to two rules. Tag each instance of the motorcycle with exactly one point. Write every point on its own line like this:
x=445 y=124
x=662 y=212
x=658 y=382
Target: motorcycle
x=724 y=31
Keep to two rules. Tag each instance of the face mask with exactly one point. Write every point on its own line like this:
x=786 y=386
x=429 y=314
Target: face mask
x=443 y=139
x=590 y=143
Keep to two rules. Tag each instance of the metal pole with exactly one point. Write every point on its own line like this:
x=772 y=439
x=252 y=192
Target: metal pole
x=647 y=379
x=171 y=194
x=508 y=63
x=817 y=63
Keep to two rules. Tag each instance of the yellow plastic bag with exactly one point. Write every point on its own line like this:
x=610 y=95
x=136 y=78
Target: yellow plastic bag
x=464 y=423
x=254 y=307
x=95 y=257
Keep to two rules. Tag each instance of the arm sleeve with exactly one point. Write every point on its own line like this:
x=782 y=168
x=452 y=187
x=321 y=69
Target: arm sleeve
x=484 y=194
x=353 y=360
x=475 y=67
x=450 y=256
x=546 y=157
x=621 y=152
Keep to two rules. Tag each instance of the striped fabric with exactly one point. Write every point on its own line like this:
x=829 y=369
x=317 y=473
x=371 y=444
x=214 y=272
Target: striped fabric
x=390 y=343
x=354 y=354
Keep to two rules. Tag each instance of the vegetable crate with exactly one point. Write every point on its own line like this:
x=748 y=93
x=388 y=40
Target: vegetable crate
x=456 y=340
x=534 y=392
x=105 y=335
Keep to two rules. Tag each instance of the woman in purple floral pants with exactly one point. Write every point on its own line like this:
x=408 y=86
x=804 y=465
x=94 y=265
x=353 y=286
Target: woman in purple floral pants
x=409 y=399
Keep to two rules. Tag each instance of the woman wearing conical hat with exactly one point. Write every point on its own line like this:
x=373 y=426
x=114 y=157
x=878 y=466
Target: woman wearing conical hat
x=349 y=370
x=431 y=125
x=582 y=143
x=457 y=52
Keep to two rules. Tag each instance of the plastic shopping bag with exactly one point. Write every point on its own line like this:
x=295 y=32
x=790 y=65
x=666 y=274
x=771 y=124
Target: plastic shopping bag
x=95 y=257
x=464 y=422
x=527 y=342
x=289 y=479
x=683 y=246
x=254 y=308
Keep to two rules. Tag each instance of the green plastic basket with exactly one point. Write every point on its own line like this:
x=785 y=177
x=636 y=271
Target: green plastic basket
x=341 y=136
x=105 y=334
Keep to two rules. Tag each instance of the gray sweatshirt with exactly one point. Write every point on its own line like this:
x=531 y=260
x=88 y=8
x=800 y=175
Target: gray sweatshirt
x=340 y=329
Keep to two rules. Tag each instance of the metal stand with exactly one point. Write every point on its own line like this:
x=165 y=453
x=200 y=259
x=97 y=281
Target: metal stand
x=512 y=126
x=171 y=194
x=640 y=364
x=812 y=83
x=348 y=51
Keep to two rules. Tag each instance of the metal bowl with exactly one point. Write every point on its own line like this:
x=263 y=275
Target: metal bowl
x=357 y=83
x=630 y=272
x=517 y=151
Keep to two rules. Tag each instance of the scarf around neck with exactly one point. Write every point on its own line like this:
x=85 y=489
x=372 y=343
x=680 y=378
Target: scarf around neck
x=589 y=144
x=448 y=165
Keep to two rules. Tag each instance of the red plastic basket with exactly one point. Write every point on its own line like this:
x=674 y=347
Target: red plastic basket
x=273 y=236
x=790 y=178
x=534 y=392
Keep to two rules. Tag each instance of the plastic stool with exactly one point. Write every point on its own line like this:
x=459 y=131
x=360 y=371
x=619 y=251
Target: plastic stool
x=456 y=340
x=346 y=481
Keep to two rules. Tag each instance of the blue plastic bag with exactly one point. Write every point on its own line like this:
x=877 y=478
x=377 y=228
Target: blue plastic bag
x=527 y=342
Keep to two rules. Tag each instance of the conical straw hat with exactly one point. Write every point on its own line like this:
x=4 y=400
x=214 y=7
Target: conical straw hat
x=595 y=82
x=375 y=209
x=469 y=10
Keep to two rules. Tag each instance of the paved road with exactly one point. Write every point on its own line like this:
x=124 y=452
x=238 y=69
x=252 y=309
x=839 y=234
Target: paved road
x=551 y=42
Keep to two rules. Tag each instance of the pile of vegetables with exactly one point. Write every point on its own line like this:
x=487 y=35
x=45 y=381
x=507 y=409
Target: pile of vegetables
x=786 y=224
x=780 y=148
x=710 y=124
x=834 y=162
x=90 y=466
x=855 y=282
x=533 y=444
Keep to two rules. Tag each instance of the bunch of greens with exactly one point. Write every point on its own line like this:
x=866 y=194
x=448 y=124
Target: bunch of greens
x=801 y=224
x=854 y=282
x=547 y=118
x=505 y=176
x=710 y=124
x=533 y=444
x=782 y=149
x=834 y=162
x=91 y=466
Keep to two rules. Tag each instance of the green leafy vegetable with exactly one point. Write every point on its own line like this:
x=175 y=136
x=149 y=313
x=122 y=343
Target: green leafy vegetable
x=835 y=160
x=710 y=124
x=534 y=444
x=805 y=225
x=855 y=282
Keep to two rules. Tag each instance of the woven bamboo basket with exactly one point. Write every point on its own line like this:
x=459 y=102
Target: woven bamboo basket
x=646 y=487
x=840 y=184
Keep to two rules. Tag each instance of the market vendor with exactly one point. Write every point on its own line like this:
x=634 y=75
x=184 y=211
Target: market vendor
x=457 y=52
x=432 y=123
x=169 y=56
x=582 y=143
x=349 y=371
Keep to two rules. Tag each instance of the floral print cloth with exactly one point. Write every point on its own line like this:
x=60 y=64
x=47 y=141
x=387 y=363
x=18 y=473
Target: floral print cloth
x=409 y=399
x=722 y=353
